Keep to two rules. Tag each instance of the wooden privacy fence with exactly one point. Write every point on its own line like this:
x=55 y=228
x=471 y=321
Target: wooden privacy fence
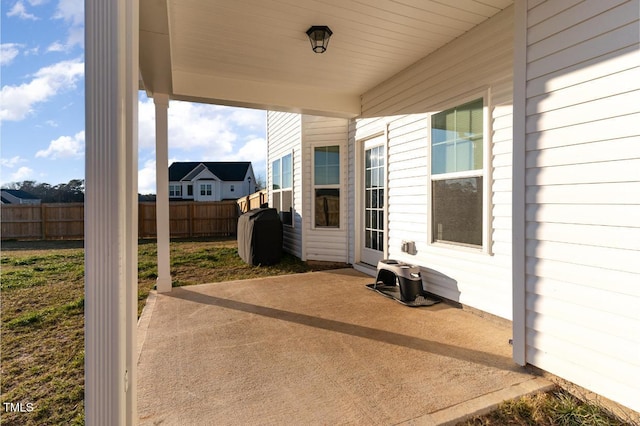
x=191 y=218
x=59 y=221
x=65 y=221
x=252 y=201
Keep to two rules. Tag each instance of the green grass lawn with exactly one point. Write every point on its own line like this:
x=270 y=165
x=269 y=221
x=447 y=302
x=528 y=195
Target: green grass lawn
x=42 y=336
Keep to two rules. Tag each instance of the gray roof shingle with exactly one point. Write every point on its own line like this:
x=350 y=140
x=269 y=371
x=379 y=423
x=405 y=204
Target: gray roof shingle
x=225 y=170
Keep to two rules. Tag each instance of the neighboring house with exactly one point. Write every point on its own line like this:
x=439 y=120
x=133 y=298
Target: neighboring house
x=18 y=196
x=543 y=232
x=211 y=181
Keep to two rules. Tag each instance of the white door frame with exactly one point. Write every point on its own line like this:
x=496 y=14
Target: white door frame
x=360 y=200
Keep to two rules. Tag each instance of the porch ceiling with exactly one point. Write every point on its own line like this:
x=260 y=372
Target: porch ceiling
x=255 y=53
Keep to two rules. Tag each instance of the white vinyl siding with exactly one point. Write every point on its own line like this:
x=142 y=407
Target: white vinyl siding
x=284 y=135
x=327 y=244
x=582 y=202
x=478 y=62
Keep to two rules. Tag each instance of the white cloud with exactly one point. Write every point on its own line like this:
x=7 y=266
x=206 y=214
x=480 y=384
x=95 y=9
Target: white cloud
x=64 y=147
x=18 y=101
x=254 y=150
x=32 y=51
x=72 y=12
x=147 y=178
x=11 y=162
x=201 y=129
x=8 y=52
x=18 y=10
x=146 y=124
x=56 y=46
x=251 y=119
x=201 y=132
x=23 y=173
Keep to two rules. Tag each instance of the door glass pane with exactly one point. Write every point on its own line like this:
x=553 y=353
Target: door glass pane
x=374 y=198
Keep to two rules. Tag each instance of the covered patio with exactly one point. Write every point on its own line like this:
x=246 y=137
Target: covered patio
x=561 y=115
x=317 y=348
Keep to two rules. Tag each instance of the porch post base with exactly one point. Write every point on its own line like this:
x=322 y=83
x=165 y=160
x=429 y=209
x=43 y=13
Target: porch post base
x=163 y=285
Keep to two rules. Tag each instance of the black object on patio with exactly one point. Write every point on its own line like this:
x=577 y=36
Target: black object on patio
x=402 y=282
x=260 y=237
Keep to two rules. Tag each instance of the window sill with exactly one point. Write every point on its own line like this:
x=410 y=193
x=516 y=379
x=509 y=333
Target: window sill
x=468 y=248
x=327 y=228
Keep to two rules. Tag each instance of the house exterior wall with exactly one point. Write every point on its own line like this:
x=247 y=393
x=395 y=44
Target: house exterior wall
x=284 y=136
x=478 y=64
x=17 y=200
x=581 y=268
x=325 y=244
x=235 y=189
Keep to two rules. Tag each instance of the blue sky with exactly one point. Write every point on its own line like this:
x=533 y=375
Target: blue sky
x=42 y=105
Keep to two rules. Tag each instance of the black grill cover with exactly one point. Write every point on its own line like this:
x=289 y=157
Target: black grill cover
x=260 y=237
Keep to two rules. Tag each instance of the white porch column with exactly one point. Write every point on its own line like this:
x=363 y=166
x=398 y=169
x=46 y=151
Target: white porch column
x=518 y=256
x=163 y=234
x=111 y=210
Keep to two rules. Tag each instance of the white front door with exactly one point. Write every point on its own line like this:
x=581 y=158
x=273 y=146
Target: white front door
x=373 y=202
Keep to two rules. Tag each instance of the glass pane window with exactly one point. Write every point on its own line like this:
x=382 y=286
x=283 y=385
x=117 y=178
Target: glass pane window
x=286 y=207
x=287 y=172
x=282 y=188
x=327 y=211
x=276 y=176
x=456 y=139
x=175 y=190
x=326 y=161
x=206 y=189
x=457 y=210
x=326 y=180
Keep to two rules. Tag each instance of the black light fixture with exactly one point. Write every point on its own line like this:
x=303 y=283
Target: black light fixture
x=319 y=37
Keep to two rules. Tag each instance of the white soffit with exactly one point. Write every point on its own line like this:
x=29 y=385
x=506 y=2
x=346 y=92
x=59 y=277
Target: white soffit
x=255 y=53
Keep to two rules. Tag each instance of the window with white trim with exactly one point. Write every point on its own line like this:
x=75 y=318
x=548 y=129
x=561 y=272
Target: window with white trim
x=282 y=188
x=206 y=189
x=326 y=183
x=175 y=190
x=457 y=175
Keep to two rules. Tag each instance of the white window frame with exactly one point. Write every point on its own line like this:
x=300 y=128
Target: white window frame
x=207 y=188
x=175 y=190
x=282 y=190
x=485 y=173
x=339 y=186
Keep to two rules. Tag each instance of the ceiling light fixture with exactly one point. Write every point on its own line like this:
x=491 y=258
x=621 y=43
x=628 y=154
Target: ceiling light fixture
x=319 y=37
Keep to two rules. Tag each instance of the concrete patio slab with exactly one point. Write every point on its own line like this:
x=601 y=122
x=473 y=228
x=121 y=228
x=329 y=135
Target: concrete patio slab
x=317 y=348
